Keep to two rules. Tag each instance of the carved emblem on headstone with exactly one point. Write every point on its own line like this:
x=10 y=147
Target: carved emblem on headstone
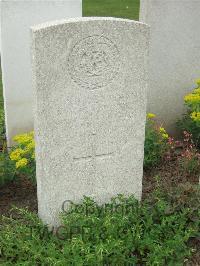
x=94 y=62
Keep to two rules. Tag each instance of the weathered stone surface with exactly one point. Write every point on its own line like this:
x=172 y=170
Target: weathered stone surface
x=174 y=54
x=17 y=16
x=90 y=107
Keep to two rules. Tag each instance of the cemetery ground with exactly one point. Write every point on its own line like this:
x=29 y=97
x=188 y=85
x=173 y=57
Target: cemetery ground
x=167 y=222
x=171 y=198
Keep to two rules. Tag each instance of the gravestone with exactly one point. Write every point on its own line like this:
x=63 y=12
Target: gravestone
x=90 y=106
x=16 y=19
x=0 y=28
x=174 y=55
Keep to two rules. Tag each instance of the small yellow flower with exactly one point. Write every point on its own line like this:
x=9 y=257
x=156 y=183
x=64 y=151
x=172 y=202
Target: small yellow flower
x=31 y=133
x=162 y=130
x=16 y=154
x=23 y=138
x=198 y=82
x=33 y=156
x=165 y=136
x=195 y=116
x=192 y=98
x=150 y=115
x=197 y=91
x=21 y=163
x=30 y=146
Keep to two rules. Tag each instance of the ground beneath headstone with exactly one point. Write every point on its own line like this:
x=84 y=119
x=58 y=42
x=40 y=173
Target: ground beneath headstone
x=22 y=193
x=168 y=175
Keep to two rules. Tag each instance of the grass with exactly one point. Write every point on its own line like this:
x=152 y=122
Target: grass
x=163 y=230
x=112 y=8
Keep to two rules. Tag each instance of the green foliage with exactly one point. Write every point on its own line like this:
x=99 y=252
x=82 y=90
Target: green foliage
x=20 y=161
x=23 y=154
x=2 y=128
x=191 y=120
x=191 y=166
x=192 y=101
x=22 y=242
x=185 y=154
x=112 y=8
x=122 y=232
x=155 y=142
x=189 y=125
x=7 y=168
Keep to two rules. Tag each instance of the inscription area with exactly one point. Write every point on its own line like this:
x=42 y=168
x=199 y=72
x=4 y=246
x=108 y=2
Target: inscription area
x=94 y=62
x=94 y=155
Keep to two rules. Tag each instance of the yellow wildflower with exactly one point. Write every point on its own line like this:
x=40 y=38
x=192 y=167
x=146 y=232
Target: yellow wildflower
x=197 y=91
x=165 y=136
x=24 y=138
x=195 y=116
x=162 y=130
x=150 y=115
x=198 y=82
x=30 y=146
x=21 y=163
x=16 y=154
x=164 y=133
x=31 y=133
x=33 y=156
x=192 y=98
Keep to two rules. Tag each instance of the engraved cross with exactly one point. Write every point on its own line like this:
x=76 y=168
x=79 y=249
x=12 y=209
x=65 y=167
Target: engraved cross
x=93 y=156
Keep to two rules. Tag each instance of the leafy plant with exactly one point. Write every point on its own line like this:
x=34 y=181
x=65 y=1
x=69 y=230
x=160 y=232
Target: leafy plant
x=23 y=154
x=2 y=129
x=185 y=153
x=155 y=142
x=121 y=232
x=191 y=120
x=7 y=168
x=190 y=157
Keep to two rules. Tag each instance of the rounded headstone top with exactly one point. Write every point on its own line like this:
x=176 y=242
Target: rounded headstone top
x=83 y=19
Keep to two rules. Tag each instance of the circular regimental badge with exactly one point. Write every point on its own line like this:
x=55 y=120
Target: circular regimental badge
x=94 y=62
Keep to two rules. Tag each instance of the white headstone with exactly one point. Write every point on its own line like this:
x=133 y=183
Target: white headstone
x=90 y=89
x=0 y=26
x=16 y=19
x=174 y=54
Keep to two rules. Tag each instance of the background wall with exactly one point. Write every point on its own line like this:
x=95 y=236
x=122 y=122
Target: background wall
x=16 y=19
x=174 y=54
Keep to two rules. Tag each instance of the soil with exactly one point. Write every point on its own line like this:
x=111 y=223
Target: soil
x=169 y=175
x=22 y=193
